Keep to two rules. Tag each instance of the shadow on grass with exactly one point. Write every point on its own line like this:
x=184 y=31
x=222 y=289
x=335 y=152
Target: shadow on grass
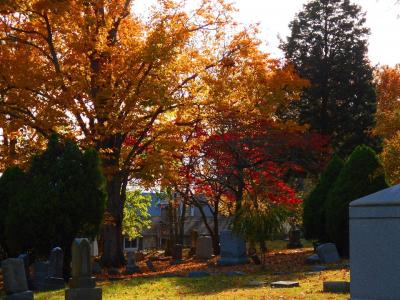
x=206 y=286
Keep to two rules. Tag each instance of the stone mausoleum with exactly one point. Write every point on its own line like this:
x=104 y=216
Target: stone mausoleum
x=375 y=246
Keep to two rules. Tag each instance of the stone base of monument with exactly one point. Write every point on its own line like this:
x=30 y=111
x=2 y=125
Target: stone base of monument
x=27 y=295
x=83 y=293
x=53 y=283
x=132 y=270
x=79 y=282
x=232 y=261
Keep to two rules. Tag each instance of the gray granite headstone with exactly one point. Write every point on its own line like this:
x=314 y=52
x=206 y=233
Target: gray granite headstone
x=294 y=238
x=233 y=249
x=131 y=266
x=40 y=273
x=25 y=258
x=82 y=284
x=204 y=249
x=48 y=275
x=328 y=253
x=56 y=262
x=14 y=280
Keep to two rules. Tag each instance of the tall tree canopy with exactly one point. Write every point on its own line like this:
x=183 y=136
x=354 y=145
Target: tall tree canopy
x=93 y=70
x=388 y=119
x=328 y=46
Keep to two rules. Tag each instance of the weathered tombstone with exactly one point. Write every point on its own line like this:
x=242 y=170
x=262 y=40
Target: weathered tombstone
x=177 y=252
x=55 y=278
x=82 y=285
x=94 y=248
x=294 y=238
x=131 y=266
x=194 y=235
x=328 y=253
x=14 y=280
x=40 y=273
x=150 y=265
x=25 y=258
x=233 y=249
x=375 y=246
x=204 y=249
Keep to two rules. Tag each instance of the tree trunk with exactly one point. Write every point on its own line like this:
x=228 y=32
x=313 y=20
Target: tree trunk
x=113 y=255
x=215 y=238
x=182 y=219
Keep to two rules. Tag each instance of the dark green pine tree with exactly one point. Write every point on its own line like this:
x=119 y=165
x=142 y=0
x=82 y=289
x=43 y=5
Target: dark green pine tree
x=361 y=175
x=328 y=46
x=314 y=204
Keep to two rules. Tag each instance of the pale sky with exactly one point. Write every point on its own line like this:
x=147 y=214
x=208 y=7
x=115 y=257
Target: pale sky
x=274 y=17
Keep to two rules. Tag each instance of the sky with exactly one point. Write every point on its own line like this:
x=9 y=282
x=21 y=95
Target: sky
x=275 y=15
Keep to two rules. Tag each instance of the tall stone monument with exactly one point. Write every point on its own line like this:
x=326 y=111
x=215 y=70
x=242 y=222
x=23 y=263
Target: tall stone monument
x=14 y=278
x=233 y=249
x=82 y=285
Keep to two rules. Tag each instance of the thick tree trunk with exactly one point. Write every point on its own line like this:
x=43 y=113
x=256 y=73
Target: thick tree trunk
x=113 y=255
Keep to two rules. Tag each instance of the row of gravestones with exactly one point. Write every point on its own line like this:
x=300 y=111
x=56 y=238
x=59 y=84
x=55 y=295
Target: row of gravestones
x=232 y=248
x=81 y=284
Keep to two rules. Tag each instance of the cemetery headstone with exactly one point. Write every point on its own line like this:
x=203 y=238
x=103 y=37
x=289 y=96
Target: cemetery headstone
x=94 y=248
x=14 y=280
x=131 y=266
x=204 y=249
x=233 y=249
x=313 y=259
x=150 y=265
x=25 y=258
x=194 y=235
x=328 y=253
x=82 y=285
x=54 y=279
x=177 y=252
x=294 y=238
x=336 y=287
x=284 y=284
x=40 y=273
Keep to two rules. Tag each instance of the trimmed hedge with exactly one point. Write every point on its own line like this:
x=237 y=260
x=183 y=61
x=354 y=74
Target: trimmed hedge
x=314 y=204
x=362 y=175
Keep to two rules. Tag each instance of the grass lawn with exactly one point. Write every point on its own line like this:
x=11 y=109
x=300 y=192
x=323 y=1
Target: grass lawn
x=215 y=287
x=281 y=265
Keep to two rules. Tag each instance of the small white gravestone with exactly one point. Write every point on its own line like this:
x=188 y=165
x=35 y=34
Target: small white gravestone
x=94 y=248
x=375 y=245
